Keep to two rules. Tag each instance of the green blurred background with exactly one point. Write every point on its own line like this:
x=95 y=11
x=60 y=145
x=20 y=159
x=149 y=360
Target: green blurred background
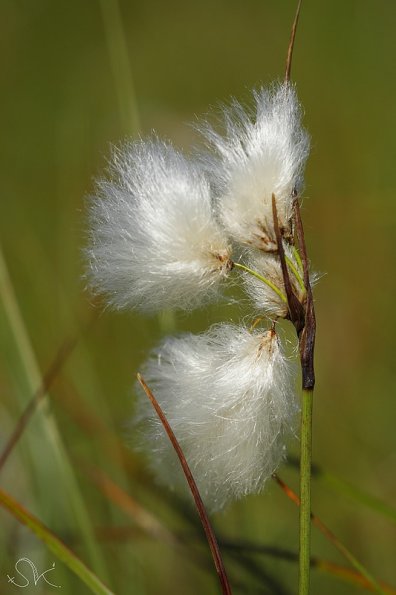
x=77 y=76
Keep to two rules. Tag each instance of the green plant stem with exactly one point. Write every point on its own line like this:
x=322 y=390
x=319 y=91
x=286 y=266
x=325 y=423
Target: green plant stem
x=243 y=267
x=305 y=490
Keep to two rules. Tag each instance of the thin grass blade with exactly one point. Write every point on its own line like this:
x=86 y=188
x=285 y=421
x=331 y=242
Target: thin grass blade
x=61 y=551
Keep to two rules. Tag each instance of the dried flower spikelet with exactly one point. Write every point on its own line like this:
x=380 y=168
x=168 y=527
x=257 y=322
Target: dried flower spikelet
x=154 y=242
x=228 y=395
x=261 y=154
x=264 y=297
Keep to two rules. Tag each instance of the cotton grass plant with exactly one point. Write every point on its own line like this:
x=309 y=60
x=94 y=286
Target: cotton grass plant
x=164 y=230
x=168 y=231
x=96 y=510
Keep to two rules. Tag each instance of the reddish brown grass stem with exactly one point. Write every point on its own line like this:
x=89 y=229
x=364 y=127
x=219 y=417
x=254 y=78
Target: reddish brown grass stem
x=291 y=43
x=214 y=548
x=296 y=311
x=307 y=338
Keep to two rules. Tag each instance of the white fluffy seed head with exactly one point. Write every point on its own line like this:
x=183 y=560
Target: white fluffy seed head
x=154 y=242
x=228 y=395
x=261 y=154
x=264 y=297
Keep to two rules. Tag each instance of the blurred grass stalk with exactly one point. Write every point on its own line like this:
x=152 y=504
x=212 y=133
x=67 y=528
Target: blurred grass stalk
x=120 y=65
x=55 y=468
x=127 y=103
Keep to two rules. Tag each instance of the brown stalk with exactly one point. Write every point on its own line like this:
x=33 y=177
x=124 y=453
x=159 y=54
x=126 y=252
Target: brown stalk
x=307 y=338
x=291 y=43
x=63 y=353
x=296 y=311
x=214 y=548
x=303 y=318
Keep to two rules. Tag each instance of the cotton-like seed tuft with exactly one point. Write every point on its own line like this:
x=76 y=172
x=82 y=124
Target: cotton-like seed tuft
x=261 y=154
x=154 y=242
x=266 y=300
x=228 y=395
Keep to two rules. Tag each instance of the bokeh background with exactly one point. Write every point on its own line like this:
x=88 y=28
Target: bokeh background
x=78 y=76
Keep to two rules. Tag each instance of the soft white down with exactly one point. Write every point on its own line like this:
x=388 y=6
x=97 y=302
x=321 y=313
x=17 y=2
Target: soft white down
x=154 y=242
x=229 y=397
x=261 y=153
